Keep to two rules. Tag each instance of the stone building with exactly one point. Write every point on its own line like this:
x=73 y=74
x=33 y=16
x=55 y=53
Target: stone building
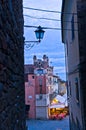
x=74 y=36
x=12 y=106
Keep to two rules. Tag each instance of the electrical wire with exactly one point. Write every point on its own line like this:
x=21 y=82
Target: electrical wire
x=50 y=11
x=41 y=18
x=33 y=17
x=28 y=26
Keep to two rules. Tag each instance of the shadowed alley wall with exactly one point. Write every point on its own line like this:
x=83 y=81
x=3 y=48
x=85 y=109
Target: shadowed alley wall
x=12 y=106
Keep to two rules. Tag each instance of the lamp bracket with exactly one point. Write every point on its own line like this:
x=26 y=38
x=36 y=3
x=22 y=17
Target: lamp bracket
x=29 y=44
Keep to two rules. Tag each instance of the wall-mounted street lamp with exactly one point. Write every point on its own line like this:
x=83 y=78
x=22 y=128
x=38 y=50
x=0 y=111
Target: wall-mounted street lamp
x=39 y=32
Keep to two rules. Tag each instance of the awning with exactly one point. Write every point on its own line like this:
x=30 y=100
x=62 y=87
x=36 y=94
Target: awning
x=60 y=98
x=57 y=106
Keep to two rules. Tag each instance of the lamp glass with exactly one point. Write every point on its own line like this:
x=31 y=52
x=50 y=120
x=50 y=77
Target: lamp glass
x=39 y=33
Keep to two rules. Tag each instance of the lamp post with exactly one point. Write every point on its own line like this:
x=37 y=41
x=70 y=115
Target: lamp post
x=39 y=32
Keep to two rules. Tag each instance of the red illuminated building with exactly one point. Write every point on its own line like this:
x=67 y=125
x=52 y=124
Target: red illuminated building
x=36 y=87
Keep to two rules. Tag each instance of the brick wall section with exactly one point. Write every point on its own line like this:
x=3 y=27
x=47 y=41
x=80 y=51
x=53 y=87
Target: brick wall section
x=12 y=105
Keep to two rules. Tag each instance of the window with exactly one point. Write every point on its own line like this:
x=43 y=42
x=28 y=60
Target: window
x=40 y=81
x=40 y=89
x=27 y=107
x=40 y=71
x=72 y=27
x=70 y=88
x=33 y=77
x=77 y=89
x=67 y=48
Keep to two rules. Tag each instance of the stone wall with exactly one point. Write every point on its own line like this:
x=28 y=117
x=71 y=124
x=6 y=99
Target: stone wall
x=12 y=104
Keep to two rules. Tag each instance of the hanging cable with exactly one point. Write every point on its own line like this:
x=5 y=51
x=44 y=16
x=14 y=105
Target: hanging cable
x=41 y=18
x=28 y=26
x=50 y=11
x=33 y=17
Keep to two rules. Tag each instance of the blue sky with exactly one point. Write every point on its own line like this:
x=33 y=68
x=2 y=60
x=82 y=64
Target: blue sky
x=51 y=45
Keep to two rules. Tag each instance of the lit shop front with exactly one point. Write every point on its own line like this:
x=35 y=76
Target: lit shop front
x=58 y=108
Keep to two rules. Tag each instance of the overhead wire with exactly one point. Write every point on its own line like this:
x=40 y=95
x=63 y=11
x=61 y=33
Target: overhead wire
x=43 y=10
x=33 y=17
x=29 y=26
x=41 y=18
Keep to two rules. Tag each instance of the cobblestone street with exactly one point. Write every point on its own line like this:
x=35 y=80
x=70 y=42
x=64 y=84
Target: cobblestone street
x=48 y=124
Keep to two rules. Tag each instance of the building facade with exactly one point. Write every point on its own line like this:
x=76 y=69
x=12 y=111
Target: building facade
x=38 y=95
x=74 y=36
x=62 y=87
x=12 y=103
x=30 y=91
